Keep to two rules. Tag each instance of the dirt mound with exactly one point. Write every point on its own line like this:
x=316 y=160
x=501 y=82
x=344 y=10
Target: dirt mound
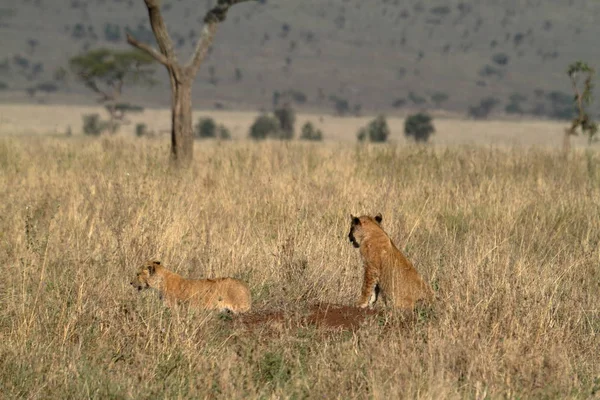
x=333 y=316
x=322 y=315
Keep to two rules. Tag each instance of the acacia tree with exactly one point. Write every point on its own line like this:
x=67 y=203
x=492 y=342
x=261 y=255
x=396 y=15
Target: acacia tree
x=181 y=76
x=106 y=71
x=583 y=98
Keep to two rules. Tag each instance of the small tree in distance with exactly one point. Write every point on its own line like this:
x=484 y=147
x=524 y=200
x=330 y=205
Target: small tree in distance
x=106 y=71
x=309 y=132
x=583 y=98
x=287 y=120
x=376 y=131
x=264 y=126
x=419 y=127
x=207 y=128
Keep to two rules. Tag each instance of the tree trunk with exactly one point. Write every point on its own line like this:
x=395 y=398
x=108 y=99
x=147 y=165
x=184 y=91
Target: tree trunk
x=182 y=77
x=182 y=138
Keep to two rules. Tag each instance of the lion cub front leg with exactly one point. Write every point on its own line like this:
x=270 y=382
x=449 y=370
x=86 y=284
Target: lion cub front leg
x=368 y=293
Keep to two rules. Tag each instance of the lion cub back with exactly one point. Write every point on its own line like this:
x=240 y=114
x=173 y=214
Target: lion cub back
x=401 y=285
x=228 y=294
x=386 y=267
x=213 y=294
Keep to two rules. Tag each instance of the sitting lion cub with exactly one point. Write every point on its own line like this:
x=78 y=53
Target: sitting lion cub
x=213 y=294
x=387 y=270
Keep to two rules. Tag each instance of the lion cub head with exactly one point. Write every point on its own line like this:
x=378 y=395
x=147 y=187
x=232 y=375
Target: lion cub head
x=146 y=276
x=360 y=225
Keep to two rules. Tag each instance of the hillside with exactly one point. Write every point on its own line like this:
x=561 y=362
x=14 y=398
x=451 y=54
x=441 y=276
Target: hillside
x=388 y=56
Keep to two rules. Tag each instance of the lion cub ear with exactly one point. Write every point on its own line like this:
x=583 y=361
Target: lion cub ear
x=152 y=267
x=355 y=220
x=378 y=218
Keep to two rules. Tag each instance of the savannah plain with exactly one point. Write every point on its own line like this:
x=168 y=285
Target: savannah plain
x=504 y=227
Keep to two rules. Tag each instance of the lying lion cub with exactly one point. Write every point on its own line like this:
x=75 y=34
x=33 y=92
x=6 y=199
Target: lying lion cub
x=213 y=294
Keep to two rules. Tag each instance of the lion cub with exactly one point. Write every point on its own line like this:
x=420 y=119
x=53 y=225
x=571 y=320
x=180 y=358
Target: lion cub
x=213 y=294
x=387 y=270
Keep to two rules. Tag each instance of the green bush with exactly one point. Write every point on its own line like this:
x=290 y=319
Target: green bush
x=416 y=99
x=141 y=130
x=419 y=127
x=309 y=132
x=484 y=108
x=223 y=133
x=206 y=128
x=438 y=98
x=264 y=126
x=93 y=125
x=287 y=119
x=376 y=131
x=342 y=106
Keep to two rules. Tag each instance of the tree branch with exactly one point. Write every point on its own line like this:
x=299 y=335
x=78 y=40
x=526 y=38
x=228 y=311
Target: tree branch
x=148 y=49
x=91 y=84
x=160 y=30
x=212 y=18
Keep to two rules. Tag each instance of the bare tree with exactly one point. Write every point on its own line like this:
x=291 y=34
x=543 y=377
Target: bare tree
x=182 y=76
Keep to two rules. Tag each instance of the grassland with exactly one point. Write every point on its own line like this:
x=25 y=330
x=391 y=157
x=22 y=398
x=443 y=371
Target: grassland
x=509 y=238
x=451 y=130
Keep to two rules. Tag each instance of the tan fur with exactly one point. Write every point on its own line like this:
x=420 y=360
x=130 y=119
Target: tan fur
x=212 y=294
x=386 y=268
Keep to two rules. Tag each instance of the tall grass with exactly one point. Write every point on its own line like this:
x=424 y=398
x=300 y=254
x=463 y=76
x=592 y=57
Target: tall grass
x=509 y=239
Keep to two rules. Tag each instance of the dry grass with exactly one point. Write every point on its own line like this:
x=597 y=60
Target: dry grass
x=508 y=238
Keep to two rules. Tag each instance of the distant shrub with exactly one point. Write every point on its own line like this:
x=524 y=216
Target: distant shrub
x=416 y=99
x=93 y=125
x=438 y=98
x=514 y=105
x=342 y=107
x=264 y=126
x=513 y=108
x=141 y=130
x=112 y=32
x=206 y=128
x=309 y=132
x=21 y=62
x=518 y=38
x=419 y=127
x=376 y=131
x=223 y=132
x=441 y=11
x=399 y=102
x=484 y=108
x=3 y=85
x=287 y=119
x=79 y=31
x=500 y=58
x=488 y=71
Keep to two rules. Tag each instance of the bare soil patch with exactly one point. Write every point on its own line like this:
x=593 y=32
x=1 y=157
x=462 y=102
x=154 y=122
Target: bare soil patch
x=325 y=316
